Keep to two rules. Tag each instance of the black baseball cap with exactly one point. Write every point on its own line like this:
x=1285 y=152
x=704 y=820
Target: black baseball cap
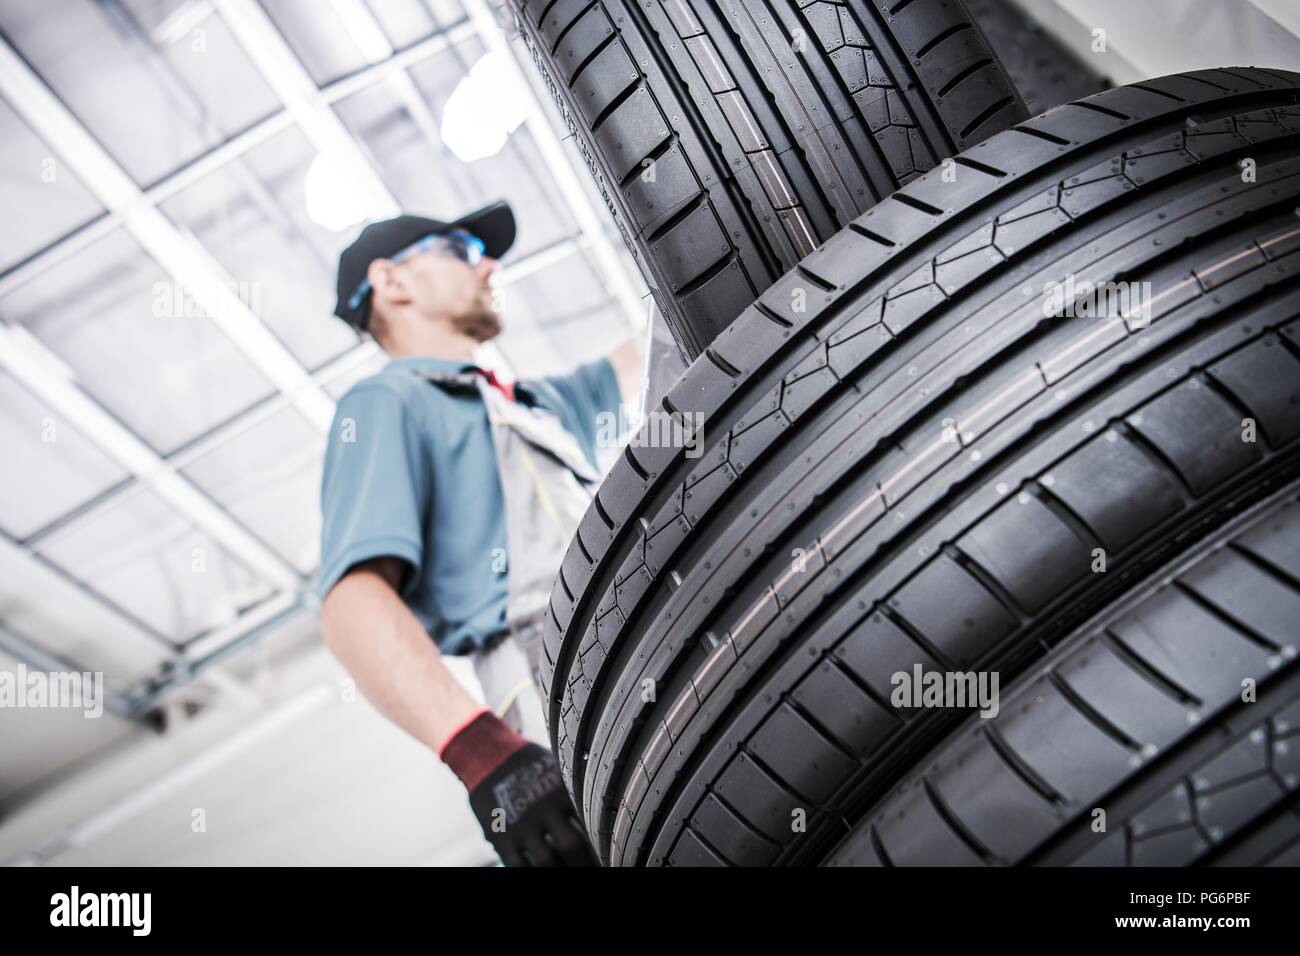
x=494 y=224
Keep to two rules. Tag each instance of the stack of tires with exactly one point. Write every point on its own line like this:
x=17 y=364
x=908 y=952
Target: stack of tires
x=979 y=403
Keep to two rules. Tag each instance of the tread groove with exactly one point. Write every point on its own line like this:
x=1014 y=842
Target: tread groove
x=727 y=368
x=904 y=625
x=1138 y=665
x=705 y=277
x=1093 y=716
x=612 y=107
x=568 y=28
x=986 y=115
x=1156 y=456
x=1066 y=515
x=1098 y=108
x=1151 y=89
x=931 y=44
x=917 y=204
x=879 y=847
x=680 y=215
x=1264 y=565
x=1040 y=134
x=958 y=828
x=980 y=167
x=1249 y=633
x=866 y=233
x=964 y=74
x=1016 y=765
x=987 y=581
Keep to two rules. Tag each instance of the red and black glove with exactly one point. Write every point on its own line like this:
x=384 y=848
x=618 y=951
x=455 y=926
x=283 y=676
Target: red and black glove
x=517 y=795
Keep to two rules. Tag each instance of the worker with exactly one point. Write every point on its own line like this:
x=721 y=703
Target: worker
x=448 y=500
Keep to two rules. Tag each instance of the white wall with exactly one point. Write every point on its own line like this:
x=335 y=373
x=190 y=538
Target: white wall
x=293 y=774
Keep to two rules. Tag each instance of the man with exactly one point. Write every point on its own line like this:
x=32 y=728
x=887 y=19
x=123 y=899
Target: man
x=447 y=502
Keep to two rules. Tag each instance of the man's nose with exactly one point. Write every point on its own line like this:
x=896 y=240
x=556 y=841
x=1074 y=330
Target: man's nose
x=486 y=266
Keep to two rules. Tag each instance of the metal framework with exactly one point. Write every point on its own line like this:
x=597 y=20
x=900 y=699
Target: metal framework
x=308 y=107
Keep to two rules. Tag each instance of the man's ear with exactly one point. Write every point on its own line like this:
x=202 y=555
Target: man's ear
x=386 y=283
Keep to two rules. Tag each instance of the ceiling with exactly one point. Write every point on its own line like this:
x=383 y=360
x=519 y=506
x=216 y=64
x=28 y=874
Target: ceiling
x=177 y=178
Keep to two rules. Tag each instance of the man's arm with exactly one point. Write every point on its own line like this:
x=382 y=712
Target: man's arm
x=626 y=359
x=399 y=669
x=384 y=647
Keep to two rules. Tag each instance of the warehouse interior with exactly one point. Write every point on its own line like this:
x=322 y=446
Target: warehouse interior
x=178 y=178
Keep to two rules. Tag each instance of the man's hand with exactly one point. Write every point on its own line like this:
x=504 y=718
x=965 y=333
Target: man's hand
x=517 y=795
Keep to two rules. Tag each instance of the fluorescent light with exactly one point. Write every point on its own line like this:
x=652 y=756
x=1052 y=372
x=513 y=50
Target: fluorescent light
x=484 y=109
x=335 y=200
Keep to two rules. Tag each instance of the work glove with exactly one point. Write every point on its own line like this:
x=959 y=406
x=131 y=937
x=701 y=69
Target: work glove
x=517 y=795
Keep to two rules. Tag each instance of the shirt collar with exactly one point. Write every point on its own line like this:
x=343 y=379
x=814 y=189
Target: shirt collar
x=428 y=363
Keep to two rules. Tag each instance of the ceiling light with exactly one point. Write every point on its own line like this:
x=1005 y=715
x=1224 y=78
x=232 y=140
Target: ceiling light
x=334 y=191
x=482 y=111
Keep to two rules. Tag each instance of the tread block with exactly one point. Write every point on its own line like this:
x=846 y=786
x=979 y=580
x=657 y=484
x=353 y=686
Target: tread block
x=1122 y=695
x=857 y=722
x=557 y=18
x=876 y=650
x=1029 y=551
x=1173 y=809
x=581 y=40
x=736 y=841
x=953 y=611
x=992 y=801
x=727 y=292
x=807 y=761
x=1226 y=811
x=1118 y=491
x=690 y=851
x=690 y=247
x=1266 y=379
x=759 y=799
x=629 y=135
x=1277 y=540
x=1060 y=744
x=1199 y=432
x=1190 y=647
x=913 y=834
x=1109 y=851
x=1257 y=600
x=1174 y=848
x=651 y=201
x=609 y=74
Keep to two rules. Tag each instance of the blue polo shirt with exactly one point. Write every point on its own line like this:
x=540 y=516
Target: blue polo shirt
x=410 y=472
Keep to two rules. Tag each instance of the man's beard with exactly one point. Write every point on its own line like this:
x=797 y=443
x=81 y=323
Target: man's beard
x=480 y=325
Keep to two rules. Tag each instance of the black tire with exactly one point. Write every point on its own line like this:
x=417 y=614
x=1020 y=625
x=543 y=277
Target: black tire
x=1044 y=70
x=1142 y=716
x=758 y=153
x=940 y=527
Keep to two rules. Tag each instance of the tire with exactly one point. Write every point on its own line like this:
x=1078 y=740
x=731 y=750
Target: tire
x=725 y=158
x=1043 y=70
x=945 y=460
x=1141 y=716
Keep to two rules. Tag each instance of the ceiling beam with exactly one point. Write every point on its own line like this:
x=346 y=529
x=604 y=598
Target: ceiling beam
x=178 y=253
x=41 y=373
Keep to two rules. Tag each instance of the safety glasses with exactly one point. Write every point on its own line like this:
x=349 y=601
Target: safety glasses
x=458 y=243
